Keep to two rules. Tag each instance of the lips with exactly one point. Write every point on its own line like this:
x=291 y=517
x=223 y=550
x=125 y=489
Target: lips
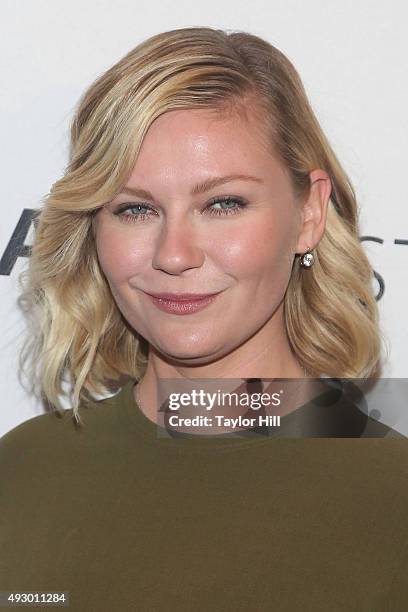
x=176 y=297
x=181 y=304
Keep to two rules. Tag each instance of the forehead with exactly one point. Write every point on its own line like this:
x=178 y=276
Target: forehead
x=206 y=142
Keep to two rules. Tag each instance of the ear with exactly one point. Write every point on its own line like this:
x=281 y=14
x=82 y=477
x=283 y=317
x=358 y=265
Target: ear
x=314 y=213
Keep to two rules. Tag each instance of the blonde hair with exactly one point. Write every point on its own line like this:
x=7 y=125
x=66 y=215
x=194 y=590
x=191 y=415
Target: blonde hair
x=75 y=327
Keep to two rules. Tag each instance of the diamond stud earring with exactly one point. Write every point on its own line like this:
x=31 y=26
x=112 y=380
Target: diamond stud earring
x=307 y=259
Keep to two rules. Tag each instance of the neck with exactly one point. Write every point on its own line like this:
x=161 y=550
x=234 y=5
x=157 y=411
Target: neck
x=257 y=358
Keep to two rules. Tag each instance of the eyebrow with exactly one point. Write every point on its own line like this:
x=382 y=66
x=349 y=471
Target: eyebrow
x=200 y=187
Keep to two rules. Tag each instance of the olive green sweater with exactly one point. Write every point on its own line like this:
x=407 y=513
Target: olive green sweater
x=127 y=521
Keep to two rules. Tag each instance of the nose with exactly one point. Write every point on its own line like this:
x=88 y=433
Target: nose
x=176 y=248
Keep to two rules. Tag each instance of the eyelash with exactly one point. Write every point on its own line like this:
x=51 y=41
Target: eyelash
x=214 y=212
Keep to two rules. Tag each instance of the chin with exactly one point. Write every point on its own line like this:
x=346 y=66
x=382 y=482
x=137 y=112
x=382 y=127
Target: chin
x=195 y=355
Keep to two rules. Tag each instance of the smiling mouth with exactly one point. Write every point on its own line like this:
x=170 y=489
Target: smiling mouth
x=175 y=297
x=183 y=306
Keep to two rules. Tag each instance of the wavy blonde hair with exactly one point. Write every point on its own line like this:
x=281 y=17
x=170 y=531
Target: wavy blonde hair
x=76 y=332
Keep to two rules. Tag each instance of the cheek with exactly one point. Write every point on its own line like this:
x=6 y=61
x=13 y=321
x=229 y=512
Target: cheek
x=263 y=248
x=118 y=254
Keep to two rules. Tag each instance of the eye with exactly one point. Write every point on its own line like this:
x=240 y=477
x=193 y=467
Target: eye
x=233 y=205
x=228 y=200
x=139 y=216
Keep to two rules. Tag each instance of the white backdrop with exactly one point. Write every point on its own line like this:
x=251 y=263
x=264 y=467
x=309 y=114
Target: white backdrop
x=351 y=56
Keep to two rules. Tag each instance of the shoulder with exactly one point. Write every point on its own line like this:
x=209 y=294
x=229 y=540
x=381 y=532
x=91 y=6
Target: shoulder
x=341 y=410
x=34 y=430
x=51 y=456
x=376 y=429
x=54 y=435
x=33 y=443
x=28 y=455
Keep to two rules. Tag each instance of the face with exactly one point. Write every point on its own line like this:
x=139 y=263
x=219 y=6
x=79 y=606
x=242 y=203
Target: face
x=237 y=237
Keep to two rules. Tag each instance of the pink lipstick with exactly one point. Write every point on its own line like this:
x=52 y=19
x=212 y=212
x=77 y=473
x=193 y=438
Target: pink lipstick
x=182 y=303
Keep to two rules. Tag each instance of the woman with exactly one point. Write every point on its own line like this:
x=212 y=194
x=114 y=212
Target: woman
x=198 y=167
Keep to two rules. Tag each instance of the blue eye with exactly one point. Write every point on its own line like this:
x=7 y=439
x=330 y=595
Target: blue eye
x=143 y=216
x=227 y=211
x=131 y=218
